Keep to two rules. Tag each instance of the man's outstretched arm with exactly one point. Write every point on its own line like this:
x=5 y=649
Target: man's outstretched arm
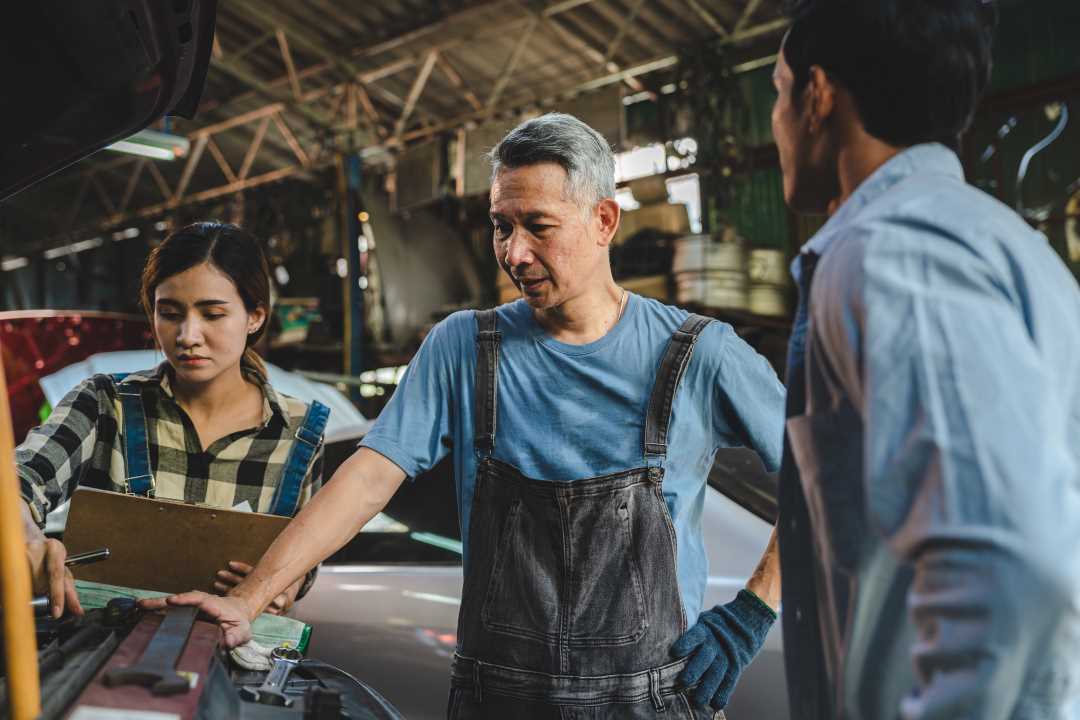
x=358 y=491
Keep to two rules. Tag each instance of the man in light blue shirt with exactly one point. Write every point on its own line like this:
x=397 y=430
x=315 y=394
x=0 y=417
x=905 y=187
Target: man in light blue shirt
x=930 y=490
x=583 y=422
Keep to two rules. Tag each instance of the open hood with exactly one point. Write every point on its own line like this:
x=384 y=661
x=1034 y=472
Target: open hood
x=82 y=75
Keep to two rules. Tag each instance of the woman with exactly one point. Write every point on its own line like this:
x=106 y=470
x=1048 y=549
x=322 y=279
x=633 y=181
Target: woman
x=204 y=426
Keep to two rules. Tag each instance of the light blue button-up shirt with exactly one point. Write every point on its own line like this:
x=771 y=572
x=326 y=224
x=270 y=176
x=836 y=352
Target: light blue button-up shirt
x=939 y=453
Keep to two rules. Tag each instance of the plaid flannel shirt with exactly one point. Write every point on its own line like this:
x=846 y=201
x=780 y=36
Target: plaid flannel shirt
x=80 y=445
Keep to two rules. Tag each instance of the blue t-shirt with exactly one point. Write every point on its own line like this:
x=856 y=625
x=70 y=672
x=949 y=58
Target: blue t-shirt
x=570 y=412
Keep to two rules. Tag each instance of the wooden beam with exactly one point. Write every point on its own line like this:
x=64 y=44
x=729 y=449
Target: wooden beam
x=756 y=31
x=385 y=71
x=290 y=68
x=226 y=169
x=708 y=18
x=346 y=100
x=511 y=65
x=747 y=15
x=301 y=37
x=414 y=92
x=271 y=93
x=189 y=168
x=159 y=179
x=245 y=49
x=242 y=119
x=620 y=34
x=454 y=77
x=294 y=144
x=253 y=149
x=369 y=109
x=157 y=209
x=573 y=39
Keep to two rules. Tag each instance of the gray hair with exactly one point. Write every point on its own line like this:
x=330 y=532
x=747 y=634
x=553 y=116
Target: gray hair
x=563 y=139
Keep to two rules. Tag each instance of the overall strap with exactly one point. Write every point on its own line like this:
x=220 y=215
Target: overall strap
x=668 y=376
x=309 y=436
x=139 y=481
x=487 y=380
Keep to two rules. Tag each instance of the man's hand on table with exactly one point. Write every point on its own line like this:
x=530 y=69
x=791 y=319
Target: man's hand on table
x=232 y=614
x=229 y=578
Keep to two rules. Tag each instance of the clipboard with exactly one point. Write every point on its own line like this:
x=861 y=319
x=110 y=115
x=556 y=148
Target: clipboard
x=163 y=545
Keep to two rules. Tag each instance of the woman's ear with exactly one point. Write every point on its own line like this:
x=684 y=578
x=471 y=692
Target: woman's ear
x=256 y=318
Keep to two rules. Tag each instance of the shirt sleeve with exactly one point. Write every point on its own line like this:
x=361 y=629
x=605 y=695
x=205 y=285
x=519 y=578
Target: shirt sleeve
x=963 y=475
x=750 y=400
x=51 y=459
x=414 y=429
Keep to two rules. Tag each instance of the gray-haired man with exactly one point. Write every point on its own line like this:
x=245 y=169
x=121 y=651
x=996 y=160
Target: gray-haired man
x=583 y=421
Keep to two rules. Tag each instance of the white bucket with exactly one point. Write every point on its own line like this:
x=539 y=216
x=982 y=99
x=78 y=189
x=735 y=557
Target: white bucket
x=702 y=252
x=768 y=267
x=768 y=299
x=713 y=288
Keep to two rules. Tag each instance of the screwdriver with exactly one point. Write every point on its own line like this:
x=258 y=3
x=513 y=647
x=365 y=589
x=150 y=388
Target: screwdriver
x=40 y=604
x=85 y=558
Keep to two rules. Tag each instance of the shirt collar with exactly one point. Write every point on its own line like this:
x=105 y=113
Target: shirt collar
x=273 y=403
x=925 y=159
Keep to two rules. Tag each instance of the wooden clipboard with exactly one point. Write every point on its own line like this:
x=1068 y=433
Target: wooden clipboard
x=163 y=545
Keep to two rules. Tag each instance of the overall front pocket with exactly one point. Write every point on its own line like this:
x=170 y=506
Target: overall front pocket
x=607 y=594
x=523 y=593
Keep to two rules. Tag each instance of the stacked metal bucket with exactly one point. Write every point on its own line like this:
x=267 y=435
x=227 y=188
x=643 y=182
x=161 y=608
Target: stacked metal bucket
x=769 y=282
x=719 y=270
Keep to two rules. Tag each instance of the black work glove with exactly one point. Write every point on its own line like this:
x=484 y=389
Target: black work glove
x=724 y=641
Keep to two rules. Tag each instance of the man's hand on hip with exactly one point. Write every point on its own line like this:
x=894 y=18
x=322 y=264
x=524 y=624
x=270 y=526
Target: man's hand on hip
x=723 y=642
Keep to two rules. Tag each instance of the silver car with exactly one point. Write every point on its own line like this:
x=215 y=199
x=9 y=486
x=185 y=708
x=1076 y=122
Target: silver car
x=384 y=608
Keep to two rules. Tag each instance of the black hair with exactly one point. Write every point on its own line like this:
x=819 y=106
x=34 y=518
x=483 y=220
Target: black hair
x=916 y=69
x=230 y=249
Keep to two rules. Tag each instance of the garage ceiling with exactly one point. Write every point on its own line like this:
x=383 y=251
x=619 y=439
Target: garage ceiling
x=293 y=82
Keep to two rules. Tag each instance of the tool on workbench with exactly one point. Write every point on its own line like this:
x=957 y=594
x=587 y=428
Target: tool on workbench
x=41 y=603
x=85 y=558
x=271 y=692
x=156 y=668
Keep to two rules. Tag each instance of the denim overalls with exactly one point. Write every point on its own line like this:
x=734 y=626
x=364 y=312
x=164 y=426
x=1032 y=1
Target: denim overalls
x=571 y=602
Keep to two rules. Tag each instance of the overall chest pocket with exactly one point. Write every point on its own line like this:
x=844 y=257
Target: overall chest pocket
x=559 y=574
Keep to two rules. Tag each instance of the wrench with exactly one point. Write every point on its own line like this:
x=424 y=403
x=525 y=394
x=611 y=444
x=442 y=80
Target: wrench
x=271 y=692
x=156 y=668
